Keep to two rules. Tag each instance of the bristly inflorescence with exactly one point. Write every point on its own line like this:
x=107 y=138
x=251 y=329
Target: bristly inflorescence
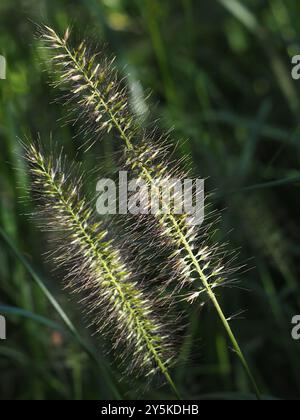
x=112 y=296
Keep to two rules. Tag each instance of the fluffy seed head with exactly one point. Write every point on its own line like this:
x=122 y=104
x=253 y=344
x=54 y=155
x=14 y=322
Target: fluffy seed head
x=110 y=292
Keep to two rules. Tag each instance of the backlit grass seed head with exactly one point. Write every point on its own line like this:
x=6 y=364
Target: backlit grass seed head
x=110 y=293
x=101 y=102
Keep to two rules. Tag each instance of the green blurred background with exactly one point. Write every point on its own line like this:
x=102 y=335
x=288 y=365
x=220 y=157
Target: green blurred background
x=220 y=74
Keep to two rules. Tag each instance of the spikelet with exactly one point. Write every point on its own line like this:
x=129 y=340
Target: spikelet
x=95 y=92
x=113 y=298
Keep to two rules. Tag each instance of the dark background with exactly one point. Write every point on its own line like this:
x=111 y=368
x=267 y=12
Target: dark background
x=220 y=75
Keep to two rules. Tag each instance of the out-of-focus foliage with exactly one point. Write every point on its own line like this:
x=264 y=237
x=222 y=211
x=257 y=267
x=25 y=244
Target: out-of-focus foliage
x=220 y=74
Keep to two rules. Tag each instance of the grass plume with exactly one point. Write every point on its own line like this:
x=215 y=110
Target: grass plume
x=112 y=296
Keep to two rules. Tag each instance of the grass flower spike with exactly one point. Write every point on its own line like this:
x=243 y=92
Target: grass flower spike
x=93 y=88
x=112 y=296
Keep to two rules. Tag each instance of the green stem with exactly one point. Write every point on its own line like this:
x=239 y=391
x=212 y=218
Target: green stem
x=212 y=296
